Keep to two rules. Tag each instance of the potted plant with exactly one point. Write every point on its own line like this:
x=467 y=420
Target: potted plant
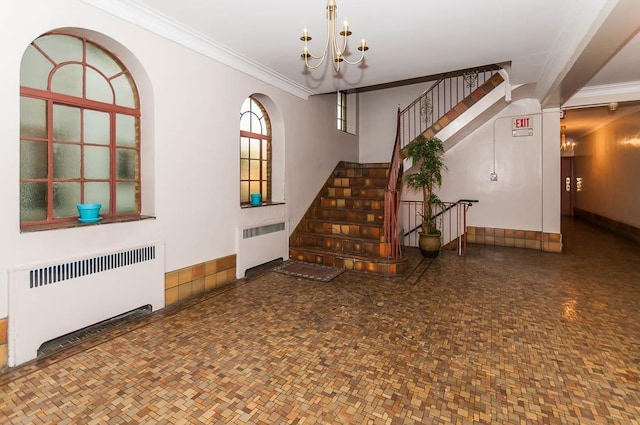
x=427 y=155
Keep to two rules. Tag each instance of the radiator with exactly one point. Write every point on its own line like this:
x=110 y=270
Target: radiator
x=52 y=300
x=260 y=244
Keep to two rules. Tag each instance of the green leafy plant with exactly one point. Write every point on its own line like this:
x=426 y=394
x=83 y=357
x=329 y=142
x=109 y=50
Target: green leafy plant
x=428 y=154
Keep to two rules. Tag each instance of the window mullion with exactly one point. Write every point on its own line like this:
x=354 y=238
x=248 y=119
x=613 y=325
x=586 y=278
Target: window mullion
x=112 y=163
x=49 y=113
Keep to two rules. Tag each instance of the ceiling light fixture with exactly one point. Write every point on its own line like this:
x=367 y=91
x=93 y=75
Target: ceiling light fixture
x=565 y=144
x=337 y=52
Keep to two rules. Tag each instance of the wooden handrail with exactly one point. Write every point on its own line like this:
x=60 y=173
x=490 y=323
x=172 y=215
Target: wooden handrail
x=392 y=198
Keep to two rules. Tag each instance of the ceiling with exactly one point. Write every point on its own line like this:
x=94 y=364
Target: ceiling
x=408 y=39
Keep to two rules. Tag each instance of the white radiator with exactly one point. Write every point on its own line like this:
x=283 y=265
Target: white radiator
x=48 y=301
x=259 y=244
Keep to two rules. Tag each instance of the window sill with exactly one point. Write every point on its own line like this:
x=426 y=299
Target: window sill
x=264 y=204
x=72 y=224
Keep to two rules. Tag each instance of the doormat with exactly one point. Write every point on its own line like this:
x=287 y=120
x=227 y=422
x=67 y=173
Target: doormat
x=308 y=270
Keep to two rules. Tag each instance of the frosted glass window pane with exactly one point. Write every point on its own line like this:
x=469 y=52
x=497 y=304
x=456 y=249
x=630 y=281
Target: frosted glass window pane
x=126 y=130
x=66 y=123
x=245 y=122
x=256 y=125
x=244 y=191
x=244 y=169
x=244 y=147
x=255 y=149
x=33 y=160
x=96 y=127
x=65 y=198
x=98 y=88
x=68 y=80
x=66 y=161
x=254 y=187
x=264 y=169
x=33 y=118
x=96 y=162
x=126 y=164
x=33 y=201
x=254 y=170
x=126 y=196
x=61 y=48
x=98 y=192
x=264 y=188
x=264 y=148
x=34 y=69
x=102 y=60
x=125 y=91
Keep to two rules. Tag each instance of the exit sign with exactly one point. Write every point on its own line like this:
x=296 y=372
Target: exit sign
x=522 y=126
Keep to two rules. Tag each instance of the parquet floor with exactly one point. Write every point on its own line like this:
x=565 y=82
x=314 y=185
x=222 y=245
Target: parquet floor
x=502 y=335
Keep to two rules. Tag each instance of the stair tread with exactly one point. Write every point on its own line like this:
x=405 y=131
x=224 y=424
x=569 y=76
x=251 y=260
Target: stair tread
x=346 y=222
x=339 y=236
x=347 y=254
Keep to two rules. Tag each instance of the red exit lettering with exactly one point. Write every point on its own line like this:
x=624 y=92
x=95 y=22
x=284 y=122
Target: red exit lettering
x=522 y=122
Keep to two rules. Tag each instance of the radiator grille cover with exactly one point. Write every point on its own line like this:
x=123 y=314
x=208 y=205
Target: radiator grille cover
x=74 y=269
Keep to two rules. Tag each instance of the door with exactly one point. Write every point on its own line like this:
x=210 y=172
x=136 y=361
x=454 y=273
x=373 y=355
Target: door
x=567 y=186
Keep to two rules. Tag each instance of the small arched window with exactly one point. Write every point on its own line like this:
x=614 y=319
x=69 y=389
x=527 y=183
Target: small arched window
x=79 y=131
x=255 y=151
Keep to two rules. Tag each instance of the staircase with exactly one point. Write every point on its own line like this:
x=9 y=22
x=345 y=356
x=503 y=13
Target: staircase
x=343 y=227
x=353 y=221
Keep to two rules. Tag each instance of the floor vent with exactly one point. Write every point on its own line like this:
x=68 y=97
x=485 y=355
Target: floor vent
x=73 y=338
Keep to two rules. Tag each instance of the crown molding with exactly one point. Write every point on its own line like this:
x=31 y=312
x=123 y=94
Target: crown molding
x=605 y=93
x=608 y=90
x=149 y=19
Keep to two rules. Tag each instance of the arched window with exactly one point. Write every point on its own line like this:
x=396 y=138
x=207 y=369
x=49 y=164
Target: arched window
x=79 y=132
x=255 y=151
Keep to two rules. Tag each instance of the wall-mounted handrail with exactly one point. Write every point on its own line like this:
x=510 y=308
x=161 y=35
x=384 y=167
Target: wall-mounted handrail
x=451 y=219
x=450 y=205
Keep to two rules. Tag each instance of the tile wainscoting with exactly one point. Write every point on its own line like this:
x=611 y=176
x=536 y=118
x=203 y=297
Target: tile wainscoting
x=531 y=239
x=188 y=282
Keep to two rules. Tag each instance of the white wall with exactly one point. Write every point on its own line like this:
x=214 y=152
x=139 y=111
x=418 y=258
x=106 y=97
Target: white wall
x=190 y=107
x=527 y=193
x=520 y=199
x=378 y=117
x=608 y=162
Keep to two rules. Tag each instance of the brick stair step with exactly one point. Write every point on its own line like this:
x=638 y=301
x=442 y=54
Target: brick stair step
x=339 y=243
x=352 y=203
x=351 y=215
x=363 y=263
x=364 y=182
x=355 y=192
x=345 y=228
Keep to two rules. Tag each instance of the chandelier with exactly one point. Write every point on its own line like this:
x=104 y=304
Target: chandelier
x=565 y=144
x=332 y=44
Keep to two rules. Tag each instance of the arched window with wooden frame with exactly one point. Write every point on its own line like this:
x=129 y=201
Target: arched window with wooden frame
x=79 y=132
x=255 y=151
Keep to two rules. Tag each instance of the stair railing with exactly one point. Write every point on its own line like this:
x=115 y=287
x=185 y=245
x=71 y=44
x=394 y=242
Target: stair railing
x=451 y=220
x=392 y=199
x=443 y=95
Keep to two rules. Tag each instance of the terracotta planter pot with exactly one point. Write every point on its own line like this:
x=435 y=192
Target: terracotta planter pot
x=429 y=244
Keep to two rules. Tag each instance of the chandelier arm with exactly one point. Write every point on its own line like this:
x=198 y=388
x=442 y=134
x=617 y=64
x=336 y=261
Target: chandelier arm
x=356 y=62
